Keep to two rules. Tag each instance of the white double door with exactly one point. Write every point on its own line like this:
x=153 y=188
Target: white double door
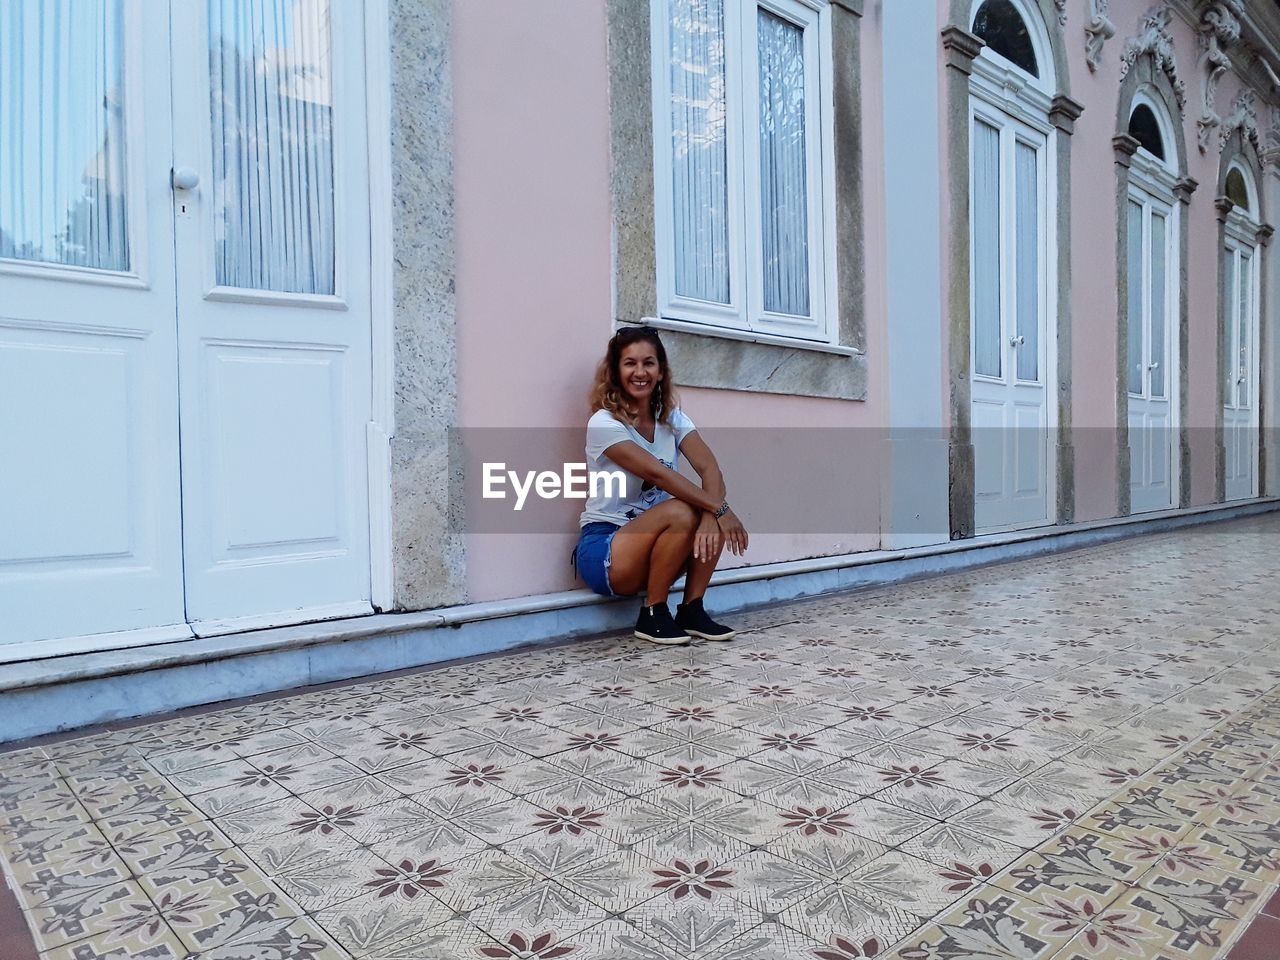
x=1240 y=368
x=184 y=319
x=1151 y=370
x=1009 y=321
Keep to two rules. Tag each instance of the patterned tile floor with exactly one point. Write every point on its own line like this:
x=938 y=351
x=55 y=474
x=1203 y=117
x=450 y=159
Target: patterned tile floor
x=1075 y=757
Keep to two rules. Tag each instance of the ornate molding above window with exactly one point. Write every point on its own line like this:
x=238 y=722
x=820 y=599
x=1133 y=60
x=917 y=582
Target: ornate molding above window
x=1219 y=31
x=1244 y=117
x=1097 y=32
x=1270 y=151
x=1155 y=39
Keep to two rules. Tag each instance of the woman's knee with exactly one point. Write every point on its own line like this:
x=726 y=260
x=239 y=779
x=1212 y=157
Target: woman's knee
x=684 y=517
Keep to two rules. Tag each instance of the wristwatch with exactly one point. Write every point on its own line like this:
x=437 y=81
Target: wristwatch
x=722 y=510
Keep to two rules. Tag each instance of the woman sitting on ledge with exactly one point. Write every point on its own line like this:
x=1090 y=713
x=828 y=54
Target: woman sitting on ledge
x=661 y=525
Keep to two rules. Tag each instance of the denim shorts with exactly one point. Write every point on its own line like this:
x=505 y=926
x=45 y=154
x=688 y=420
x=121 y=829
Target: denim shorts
x=592 y=556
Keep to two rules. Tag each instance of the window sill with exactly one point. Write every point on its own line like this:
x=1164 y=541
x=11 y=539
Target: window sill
x=726 y=359
x=748 y=336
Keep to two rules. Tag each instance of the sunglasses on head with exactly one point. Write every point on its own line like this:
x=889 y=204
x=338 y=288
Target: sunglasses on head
x=635 y=331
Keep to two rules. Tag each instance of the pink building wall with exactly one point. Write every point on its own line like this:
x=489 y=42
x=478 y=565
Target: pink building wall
x=534 y=265
x=1093 y=252
x=531 y=144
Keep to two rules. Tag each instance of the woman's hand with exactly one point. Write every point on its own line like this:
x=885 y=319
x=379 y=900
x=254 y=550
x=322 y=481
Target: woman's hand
x=706 y=541
x=735 y=534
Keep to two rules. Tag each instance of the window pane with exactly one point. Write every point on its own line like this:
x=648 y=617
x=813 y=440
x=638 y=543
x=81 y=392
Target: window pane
x=1136 y=280
x=62 y=150
x=986 y=250
x=1002 y=28
x=699 y=150
x=1243 y=315
x=1237 y=192
x=784 y=204
x=1144 y=128
x=1028 y=262
x=1159 y=285
x=272 y=116
x=1231 y=295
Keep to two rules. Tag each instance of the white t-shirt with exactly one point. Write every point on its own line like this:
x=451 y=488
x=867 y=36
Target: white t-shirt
x=603 y=431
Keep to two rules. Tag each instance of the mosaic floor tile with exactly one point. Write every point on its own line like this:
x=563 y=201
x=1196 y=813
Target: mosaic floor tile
x=1078 y=863
x=397 y=926
x=1188 y=919
x=991 y=924
x=689 y=924
x=1082 y=752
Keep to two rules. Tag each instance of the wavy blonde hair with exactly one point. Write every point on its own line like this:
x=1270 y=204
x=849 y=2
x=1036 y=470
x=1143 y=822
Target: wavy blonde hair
x=607 y=393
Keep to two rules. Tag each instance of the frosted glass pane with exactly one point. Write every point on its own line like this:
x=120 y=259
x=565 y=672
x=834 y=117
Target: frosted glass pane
x=1159 y=286
x=1137 y=278
x=986 y=250
x=1028 y=229
x=272 y=125
x=62 y=133
x=784 y=203
x=1231 y=295
x=1243 y=314
x=699 y=150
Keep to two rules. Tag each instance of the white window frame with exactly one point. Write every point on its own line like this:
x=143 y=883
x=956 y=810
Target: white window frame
x=1152 y=185
x=745 y=310
x=1013 y=132
x=1152 y=202
x=1240 y=241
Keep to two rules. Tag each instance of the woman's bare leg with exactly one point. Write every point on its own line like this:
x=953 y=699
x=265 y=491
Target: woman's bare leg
x=651 y=551
x=697 y=574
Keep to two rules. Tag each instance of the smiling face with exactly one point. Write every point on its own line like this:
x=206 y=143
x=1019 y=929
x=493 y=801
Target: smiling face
x=639 y=373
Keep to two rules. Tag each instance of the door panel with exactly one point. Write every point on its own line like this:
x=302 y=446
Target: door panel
x=273 y=310
x=1152 y=428
x=1240 y=372
x=1009 y=412
x=89 y=485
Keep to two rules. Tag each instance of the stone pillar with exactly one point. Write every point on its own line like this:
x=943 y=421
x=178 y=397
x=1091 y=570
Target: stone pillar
x=960 y=48
x=1063 y=115
x=427 y=542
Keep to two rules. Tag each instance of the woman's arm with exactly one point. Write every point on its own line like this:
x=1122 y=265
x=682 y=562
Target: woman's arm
x=701 y=458
x=699 y=455
x=650 y=469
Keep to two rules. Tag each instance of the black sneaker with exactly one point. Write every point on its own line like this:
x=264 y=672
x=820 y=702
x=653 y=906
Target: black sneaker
x=656 y=626
x=693 y=620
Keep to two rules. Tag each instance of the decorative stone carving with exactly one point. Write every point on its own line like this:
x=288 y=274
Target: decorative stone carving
x=961 y=47
x=1154 y=39
x=1062 y=11
x=1125 y=146
x=1064 y=113
x=1244 y=117
x=1219 y=30
x=1097 y=31
x=1184 y=188
x=1271 y=150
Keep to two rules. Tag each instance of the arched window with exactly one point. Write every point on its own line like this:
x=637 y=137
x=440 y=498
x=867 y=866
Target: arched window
x=1144 y=127
x=1238 y=191
x=999 y=24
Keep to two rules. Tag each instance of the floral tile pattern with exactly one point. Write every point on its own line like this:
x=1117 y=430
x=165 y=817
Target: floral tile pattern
x=1068 y=758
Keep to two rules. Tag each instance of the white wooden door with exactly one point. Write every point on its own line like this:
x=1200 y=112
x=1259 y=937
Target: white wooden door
x=1150 y=373
x=1240 y=370
x=1009 y=308
x=90 y=537
x=273 y=309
